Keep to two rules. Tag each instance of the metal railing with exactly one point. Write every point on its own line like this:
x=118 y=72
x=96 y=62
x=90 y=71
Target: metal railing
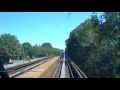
x=75 y=71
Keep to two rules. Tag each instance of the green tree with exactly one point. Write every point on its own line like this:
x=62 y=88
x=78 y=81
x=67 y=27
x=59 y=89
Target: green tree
x=95 y=45
x=28 y=49
x=47 y=45
x=10 y=47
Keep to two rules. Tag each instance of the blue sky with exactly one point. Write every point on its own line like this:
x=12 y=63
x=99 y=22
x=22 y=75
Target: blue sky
x=40 y=27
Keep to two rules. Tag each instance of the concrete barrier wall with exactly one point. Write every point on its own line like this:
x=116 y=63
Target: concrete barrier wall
x=49 y=71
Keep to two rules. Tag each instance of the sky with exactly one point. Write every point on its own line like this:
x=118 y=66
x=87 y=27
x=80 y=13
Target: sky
x=41 y=27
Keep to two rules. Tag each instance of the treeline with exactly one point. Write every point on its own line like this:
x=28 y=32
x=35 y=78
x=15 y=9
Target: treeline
x=95 y=45
x=10 y=47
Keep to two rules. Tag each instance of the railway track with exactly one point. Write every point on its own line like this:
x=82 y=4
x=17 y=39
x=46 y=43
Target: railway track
x=20 y=69
x=58 y=67
x=74 y=70
x=57 y=70
x=61 y=70
x=41 y=71
x=66 y=68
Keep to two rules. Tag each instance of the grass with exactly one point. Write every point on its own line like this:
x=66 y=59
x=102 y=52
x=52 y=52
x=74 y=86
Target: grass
x=19 y=61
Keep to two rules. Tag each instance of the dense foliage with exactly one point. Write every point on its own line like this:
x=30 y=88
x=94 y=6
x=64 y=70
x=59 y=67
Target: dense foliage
x=95 y=45
x=11 y=48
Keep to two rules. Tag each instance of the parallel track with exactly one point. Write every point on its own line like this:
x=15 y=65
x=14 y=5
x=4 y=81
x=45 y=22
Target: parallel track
x=64 y=68
x=57 y=71
x=17 y=70
x=75 y=71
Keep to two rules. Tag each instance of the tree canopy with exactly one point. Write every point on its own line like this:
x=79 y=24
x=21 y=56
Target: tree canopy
x=95 y=45
x=10 y=47
x=47 y=45
x=27 y=48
